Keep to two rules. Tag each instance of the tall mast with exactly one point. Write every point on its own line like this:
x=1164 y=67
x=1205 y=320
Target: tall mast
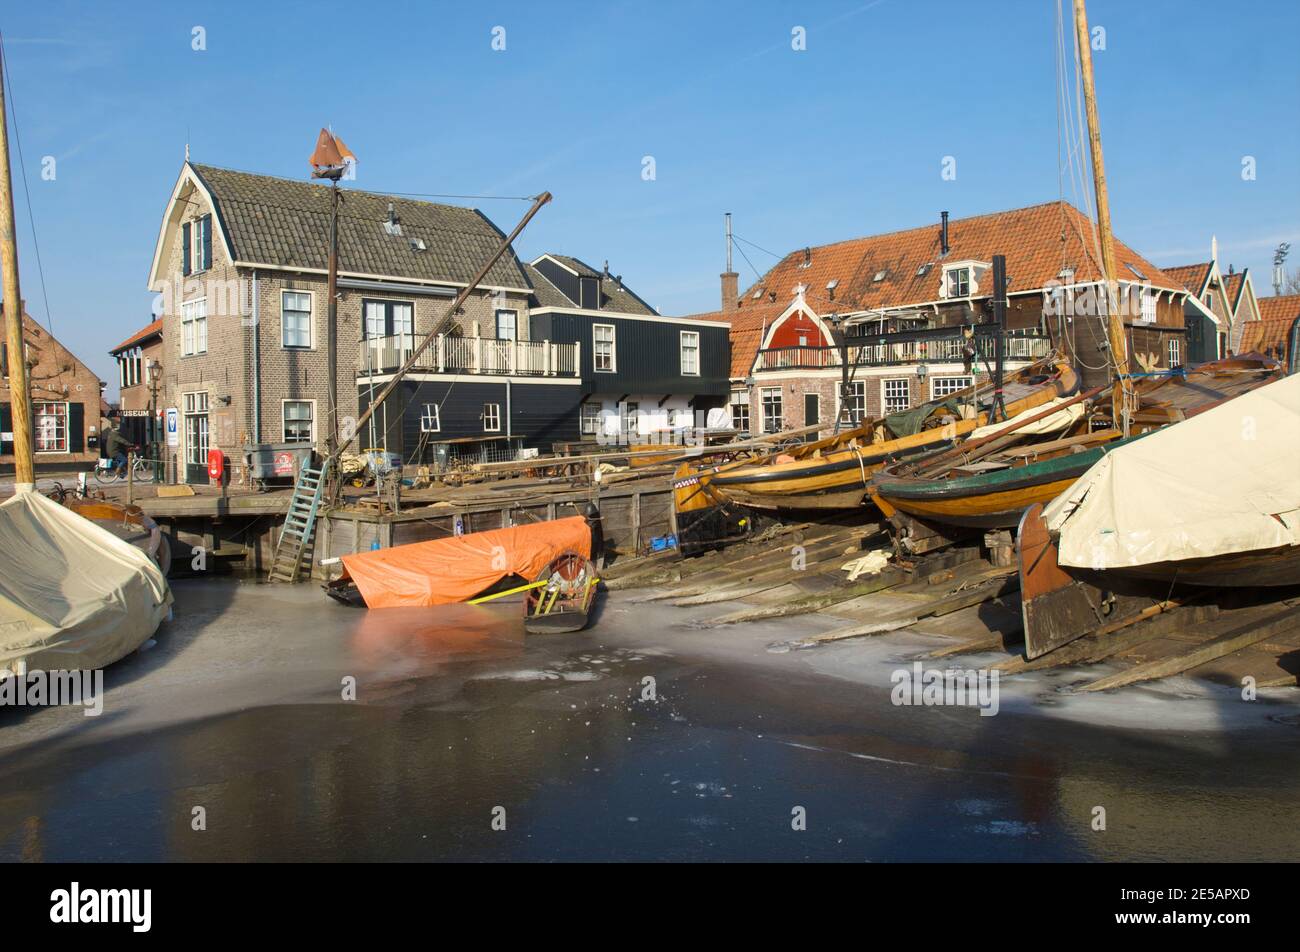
x=19 y=389
x=1114 y=316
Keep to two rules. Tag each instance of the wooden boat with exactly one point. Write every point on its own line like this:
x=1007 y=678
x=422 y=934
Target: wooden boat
x=993 y=493
x=833 y=473
x=561 y=598
x=129 y=523
x=1122 y=540
x=990 y=486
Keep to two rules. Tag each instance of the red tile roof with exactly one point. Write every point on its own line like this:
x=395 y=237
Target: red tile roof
x=1232 y=285
x=144 y=332
x=1190 y=276
x=1285 y=307
x=1038 y=241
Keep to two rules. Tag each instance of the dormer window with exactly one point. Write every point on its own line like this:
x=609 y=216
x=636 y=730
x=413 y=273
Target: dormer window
x=958 y=282
x=880 y=275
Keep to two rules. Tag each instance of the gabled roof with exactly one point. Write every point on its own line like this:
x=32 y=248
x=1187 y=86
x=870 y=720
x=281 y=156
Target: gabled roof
x=573 y=264
x=140 y=336
x=284 y=223
x=747 y=327
x=1038 y=241
x=614 y=296
x=1191 y=276
x=1269 y=335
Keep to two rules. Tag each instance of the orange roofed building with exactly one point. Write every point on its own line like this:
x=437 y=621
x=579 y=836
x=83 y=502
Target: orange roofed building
x=904 y=301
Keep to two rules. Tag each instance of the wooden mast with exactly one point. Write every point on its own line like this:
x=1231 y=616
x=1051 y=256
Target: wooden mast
x=1114 y=316
x=19 y=390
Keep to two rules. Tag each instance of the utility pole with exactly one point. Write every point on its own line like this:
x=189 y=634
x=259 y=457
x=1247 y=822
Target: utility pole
x=1115 y=319
x=331 y=323
x=19 y=389
x=998 y=411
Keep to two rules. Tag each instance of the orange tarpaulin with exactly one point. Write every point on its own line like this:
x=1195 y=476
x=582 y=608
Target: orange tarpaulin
x=454 y=570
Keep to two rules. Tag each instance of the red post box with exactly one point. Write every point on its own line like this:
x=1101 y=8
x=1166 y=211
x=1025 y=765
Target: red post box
x=216 y=464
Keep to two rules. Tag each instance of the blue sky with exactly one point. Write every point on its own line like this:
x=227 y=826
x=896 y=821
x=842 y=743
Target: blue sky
x=844 y=138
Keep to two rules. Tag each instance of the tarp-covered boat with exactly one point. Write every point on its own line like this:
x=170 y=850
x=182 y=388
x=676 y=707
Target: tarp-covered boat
x=72 y=595
x=1213 y=500
x=458 y=568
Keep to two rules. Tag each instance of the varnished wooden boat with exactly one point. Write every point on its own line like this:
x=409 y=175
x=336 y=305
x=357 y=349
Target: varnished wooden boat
x=991 y=488
x=995 y=498
x=129 y=523
x=833 y=473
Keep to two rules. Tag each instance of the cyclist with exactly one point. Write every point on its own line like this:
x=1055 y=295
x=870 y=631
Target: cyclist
x=116 y=447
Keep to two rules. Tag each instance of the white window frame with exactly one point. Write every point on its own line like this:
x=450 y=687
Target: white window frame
x=740 y=400
x=311 y=320
x=613 y=349
x=190 y=407
x=590 y=425
x=431 y=422
x=284 y=422
x=763 y=404
x=885 y=397
x=859 y=388
x=1174 y=350
x=1150 y=306
x=694 y=351
x=196 y=243
x=934 y=385
x=191 y=325
x=491 y=411
x=949 y=274
x=61 y=443
x=514 y=323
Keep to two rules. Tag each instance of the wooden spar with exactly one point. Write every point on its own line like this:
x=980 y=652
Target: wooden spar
x=942 y=460
x=19 y=388
x=461 y=298
x=1114 y=317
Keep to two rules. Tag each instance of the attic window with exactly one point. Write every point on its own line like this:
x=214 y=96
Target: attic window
x=924 y=269
x=417 y=244
x=880 y=275
x=1134 y=269
x=758 y=293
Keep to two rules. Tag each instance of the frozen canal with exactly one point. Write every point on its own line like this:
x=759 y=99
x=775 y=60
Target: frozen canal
x=644 y=737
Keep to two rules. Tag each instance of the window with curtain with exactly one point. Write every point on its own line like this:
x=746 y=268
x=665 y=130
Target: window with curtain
x=297 y=421
x=50 y=422
x=194 y=327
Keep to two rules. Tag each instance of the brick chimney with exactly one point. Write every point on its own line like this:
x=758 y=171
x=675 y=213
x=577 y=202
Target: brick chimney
x=730 y=290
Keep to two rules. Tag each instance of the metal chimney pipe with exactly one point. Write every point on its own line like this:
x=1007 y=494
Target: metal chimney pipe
x=728 y=217
x=943 y=233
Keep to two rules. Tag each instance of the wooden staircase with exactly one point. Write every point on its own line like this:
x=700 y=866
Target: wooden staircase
x=295 y=539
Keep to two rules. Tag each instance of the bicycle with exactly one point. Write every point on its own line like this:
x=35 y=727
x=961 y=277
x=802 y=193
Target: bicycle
x=109 y=471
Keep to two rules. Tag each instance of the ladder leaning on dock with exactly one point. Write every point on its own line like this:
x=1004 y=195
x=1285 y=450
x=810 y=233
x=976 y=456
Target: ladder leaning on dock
x=299 y=524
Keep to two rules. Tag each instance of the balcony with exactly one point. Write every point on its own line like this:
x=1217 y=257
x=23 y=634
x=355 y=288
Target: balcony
x=884 y=352
x=471 y=355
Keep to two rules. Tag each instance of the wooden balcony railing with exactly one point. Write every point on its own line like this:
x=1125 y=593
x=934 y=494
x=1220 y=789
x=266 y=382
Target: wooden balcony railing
x=471 y=355
x=880 y=353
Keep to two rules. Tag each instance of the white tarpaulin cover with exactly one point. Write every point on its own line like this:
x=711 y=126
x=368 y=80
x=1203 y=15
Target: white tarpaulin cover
x=72 y=595
x=1052 y=423
x=1225 y=481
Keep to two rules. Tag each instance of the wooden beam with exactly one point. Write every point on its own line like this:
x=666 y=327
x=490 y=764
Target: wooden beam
x=1240 y=637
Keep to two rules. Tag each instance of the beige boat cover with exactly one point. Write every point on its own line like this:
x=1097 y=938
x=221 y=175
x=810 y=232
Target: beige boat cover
x=73 y=596
x=1225 y=481
x=1052 y=423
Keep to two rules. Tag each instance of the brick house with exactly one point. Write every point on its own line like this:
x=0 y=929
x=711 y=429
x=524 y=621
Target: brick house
x=1218 y=306
x=139 y=371
x=66 y=397
x=906 y=304
x=240 y=266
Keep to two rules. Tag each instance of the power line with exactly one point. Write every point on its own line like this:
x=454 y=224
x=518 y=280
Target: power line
x=759 y=247
x=22 y=163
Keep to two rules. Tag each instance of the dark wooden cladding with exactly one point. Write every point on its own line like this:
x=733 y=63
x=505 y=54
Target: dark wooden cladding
x=539 y=414
x=647 y=353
